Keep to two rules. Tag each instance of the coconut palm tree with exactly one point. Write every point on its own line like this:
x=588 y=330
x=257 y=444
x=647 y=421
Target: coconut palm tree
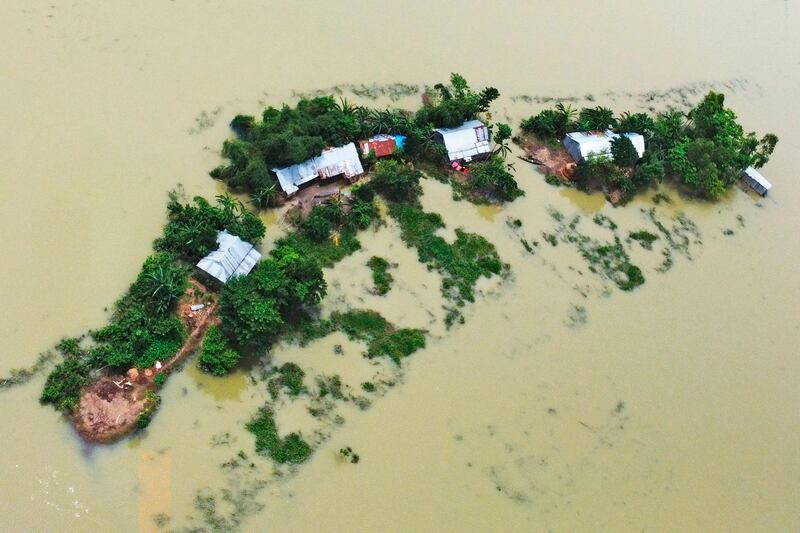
x=264 y=197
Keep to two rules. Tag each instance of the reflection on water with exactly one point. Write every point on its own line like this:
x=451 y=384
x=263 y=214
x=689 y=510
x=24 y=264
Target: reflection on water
x=154 y=475
x=225 y=388
x=588 y=203
x=489 y=212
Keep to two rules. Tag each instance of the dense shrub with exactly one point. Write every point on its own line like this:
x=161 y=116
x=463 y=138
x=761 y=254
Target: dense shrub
x=216 y=357
x=623 y=151
x=396 y=181
x=494 y=179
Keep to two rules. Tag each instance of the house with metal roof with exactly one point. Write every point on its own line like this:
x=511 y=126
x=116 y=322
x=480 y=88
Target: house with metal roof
x=756 y=181
x=233 y=257
x=583 y=144
x=341 y=160
x=466 y=142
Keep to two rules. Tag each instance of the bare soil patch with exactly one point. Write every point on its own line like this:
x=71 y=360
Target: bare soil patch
x=111 y=406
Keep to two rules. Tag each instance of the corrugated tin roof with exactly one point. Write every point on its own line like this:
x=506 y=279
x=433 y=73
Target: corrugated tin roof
x=382 y=145
x=331 y=162
x=582 y=144
x=233 y=257
x=463 y=143
x=756 y=176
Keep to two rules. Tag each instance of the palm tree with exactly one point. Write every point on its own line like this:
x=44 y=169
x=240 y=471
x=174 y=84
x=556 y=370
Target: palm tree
x=163 y=287
x=264 y=197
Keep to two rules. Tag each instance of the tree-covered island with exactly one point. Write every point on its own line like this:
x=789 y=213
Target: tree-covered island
x=703 y=151
x=108 y=380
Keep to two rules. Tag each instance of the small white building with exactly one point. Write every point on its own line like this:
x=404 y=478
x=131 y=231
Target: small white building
x=583 y=144
x=233 y=257
x=466 y=142
x=754 y=179
x=342 y=160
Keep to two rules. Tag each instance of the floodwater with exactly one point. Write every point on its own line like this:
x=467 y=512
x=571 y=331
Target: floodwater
x=562 y=404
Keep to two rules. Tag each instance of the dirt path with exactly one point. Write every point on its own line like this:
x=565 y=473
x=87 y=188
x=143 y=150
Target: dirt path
x=110 y=407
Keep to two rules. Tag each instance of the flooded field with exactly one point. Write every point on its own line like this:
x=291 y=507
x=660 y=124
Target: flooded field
x=562 y=404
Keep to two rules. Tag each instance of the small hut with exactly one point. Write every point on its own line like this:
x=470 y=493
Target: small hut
x=383 y=145
x=584 y=144
x=756 y=181
x=233 y=257
x=466 y=142
x=332 y=162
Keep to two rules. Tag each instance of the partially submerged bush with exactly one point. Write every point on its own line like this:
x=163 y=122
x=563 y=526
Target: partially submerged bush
x=380 y=275
x=216 y=357
x=293 y=449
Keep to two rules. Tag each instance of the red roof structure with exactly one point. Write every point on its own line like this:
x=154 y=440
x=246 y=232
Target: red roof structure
x=382 y=145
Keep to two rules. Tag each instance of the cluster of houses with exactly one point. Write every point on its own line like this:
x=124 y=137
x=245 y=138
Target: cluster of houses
x=584 y=144
x=464 y=143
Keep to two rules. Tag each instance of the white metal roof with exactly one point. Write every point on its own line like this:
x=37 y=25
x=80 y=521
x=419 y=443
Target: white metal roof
x=756 y=176
x=331 y=162
x=463 y=142
x=582 y=144
x=233 y=257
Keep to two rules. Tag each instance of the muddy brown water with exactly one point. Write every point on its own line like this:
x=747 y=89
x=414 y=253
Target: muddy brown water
x=673 y=408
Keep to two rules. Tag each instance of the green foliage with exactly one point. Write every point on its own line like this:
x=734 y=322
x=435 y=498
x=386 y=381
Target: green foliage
x=293 y=449
x=216 y=357
x=623 y=152
x=645 y=238
x=380 y=275
x=289 y=376
x=396 y=181
x=641 y=123
x=146 y=416
x=501 y=138
x=461 y=263
x=454 y=104
x=254 y=308
x=63 y=386
x=596 y=119
x=191 y=230
x=551 y=123
x=368 y=386
x=135 y=337
x=160 y=283
x=705 y=150
x=160 y=379
x=382 y=338
x=493 y=178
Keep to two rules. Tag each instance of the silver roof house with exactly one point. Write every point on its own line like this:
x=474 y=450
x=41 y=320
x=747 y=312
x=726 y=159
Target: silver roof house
x=331 y=162
x=233 y=257
x=583 y=144
x=754 y=179
x=467 y=141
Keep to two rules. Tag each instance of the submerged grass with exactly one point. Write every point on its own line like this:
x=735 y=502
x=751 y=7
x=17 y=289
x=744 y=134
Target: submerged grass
x=293 y=449
x=380 y=275
x=460 y=263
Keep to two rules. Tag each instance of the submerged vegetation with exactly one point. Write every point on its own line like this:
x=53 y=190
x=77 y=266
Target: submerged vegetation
x=704 y=150
x=292 y=449
x=380 y=274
